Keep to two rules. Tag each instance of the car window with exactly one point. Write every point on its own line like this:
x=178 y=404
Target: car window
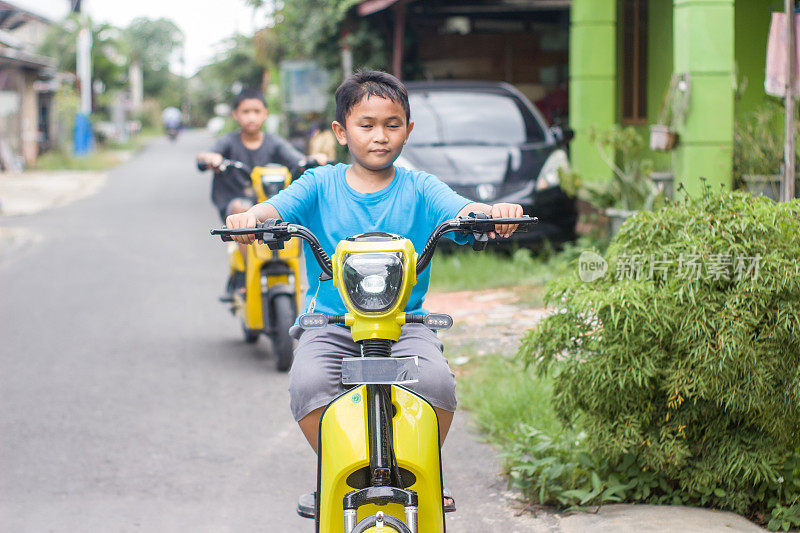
x=465 y=117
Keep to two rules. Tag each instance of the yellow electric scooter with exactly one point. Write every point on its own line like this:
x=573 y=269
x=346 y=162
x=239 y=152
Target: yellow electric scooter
x=273 y=278
x=379 y=466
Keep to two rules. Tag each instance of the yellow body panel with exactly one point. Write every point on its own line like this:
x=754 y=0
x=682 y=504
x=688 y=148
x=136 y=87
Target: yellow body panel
x=251 y=307
x=235 y=258
x=259 y=172
x=344 y=449
x=383 y=325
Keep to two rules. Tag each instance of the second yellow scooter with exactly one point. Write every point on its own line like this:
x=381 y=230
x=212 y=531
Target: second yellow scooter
x=273 y=274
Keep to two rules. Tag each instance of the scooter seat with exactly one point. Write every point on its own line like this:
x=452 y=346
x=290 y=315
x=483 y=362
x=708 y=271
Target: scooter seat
x=307 y=504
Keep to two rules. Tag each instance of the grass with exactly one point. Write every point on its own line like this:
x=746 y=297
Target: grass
x=464 y=269
x=102 y=158
x=504 y=398
x=59 y=160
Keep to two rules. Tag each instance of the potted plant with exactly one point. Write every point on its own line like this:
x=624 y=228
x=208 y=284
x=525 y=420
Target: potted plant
x=664 y=181
x=630 y=188
x=758 y=151
x=663 y=135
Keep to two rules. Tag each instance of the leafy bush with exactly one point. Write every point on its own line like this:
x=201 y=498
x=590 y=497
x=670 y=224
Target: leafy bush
x=686 y=381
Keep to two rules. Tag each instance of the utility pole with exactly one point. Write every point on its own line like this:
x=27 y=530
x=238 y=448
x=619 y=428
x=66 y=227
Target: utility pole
x=82 y=140
x=787 y=192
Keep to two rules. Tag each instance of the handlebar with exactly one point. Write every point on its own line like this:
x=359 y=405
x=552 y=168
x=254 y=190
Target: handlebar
x=274 y=233
x=302 y=165
x=478 y=224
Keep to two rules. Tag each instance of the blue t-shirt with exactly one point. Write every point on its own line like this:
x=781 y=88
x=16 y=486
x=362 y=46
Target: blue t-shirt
x=411 y=206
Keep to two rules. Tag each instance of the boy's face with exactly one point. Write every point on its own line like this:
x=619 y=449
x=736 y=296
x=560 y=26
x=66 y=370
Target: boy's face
x=250 y=114
x=375 y=131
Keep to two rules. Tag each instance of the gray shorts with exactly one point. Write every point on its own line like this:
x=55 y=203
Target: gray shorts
x=316 y=375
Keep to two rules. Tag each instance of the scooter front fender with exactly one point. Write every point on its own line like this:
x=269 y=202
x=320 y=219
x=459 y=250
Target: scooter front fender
x=343 y=460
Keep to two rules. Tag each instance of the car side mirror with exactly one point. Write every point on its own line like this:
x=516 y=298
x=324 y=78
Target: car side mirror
x=563 y=136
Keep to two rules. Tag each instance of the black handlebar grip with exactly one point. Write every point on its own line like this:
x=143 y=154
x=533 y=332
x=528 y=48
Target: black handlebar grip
x=225 y=237
x=202 y=166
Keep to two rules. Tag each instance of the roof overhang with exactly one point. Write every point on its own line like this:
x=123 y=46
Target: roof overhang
x=45 y=65
x=368 y=7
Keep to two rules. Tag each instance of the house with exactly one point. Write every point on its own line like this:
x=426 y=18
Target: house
x=522 y=42
x=623 y=54
x=26 y=114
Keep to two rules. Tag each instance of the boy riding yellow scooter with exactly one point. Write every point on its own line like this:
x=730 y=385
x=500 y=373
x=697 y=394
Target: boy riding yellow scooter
x=271 y=280
x=399 y=209
x=264 y=288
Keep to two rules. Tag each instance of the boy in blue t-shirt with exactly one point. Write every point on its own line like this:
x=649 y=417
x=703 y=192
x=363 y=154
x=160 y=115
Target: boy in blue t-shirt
x=371 y=194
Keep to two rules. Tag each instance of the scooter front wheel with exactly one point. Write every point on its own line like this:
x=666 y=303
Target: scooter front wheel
x=283 y=315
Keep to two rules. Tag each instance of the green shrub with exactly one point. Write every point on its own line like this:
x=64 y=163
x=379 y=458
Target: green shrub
x=682 y=363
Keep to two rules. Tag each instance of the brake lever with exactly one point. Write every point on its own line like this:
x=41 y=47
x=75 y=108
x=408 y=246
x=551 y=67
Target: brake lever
x=268 y=237
x=480 y=232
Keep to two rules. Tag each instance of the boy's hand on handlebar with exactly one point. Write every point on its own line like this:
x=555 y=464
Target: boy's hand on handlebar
x=505 y=211
x=210 y=159
x=239 y=221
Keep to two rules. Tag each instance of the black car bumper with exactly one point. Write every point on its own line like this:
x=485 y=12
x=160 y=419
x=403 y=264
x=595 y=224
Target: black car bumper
x=556 y=213
x=557 y=216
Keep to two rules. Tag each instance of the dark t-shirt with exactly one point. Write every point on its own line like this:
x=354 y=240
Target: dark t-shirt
x=234 y=183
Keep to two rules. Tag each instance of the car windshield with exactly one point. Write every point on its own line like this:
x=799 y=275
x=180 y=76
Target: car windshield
x=469 y=118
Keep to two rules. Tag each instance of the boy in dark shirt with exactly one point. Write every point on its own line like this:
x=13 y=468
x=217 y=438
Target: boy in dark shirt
x=231 y=190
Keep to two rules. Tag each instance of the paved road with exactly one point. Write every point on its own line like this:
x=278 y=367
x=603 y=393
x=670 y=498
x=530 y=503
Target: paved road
x=128 y=401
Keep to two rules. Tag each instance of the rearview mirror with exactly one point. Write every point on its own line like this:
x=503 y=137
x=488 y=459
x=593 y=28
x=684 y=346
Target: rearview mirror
x=563 y=136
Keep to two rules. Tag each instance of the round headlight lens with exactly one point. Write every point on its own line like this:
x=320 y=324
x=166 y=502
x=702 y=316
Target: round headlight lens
x=373 y=280
x=373 y=284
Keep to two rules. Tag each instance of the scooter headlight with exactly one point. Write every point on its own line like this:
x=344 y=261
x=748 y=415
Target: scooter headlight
x=373 y=280
x=272 y=185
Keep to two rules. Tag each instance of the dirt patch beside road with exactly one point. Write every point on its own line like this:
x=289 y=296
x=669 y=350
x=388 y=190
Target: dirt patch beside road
x=485 y=321
x=32 y=192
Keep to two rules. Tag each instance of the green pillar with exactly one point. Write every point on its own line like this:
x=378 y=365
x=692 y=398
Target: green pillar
x=593 y=80
x=704 y=48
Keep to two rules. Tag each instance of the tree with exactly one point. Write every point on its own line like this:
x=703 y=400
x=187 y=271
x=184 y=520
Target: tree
x=151 y=44
x=234 y=67
x=108 y=51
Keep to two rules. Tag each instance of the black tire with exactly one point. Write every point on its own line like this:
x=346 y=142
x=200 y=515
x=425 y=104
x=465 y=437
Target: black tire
x=389 y=522
x=283 y=315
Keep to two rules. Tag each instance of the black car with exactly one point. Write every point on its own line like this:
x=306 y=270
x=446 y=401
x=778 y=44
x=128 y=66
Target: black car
x=489 y=143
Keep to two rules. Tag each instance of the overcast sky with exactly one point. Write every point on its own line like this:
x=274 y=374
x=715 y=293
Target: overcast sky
x=204 y=22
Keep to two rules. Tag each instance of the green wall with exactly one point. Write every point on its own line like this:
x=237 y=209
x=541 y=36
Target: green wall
x=659 y=70
x=708 y=40
x=752 y=22
x=593 y=80
x=703 y=48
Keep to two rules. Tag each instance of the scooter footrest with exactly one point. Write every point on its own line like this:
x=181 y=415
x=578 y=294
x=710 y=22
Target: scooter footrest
x=448 y=507
x=307 y=505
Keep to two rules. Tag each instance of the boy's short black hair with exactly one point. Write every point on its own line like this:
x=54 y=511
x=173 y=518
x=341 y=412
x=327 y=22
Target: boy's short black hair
x=369 y=83
x=249 y=93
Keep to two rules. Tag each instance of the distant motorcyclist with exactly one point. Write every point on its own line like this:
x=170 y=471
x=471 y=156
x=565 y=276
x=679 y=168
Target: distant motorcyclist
x=171 y=117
